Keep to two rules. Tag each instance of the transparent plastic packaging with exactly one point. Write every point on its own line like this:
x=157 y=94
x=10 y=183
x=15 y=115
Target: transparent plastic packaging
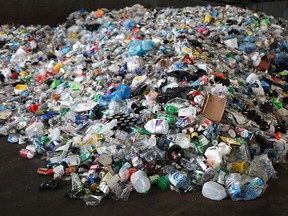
x=244 y=187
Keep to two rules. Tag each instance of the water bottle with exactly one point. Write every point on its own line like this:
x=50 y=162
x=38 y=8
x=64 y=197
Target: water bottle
x=124 y=172
x=213 y=191
x=244 y=133
x=190 y=165
x=77 y=189
x=180 y=180
x=13 y=138
x=136 y=160
x=183 y=140
x=140 y=182
x=39 y=147
x=150 y=156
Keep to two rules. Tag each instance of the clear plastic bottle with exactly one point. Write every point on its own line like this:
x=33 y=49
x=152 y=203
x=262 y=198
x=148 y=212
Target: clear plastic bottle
x=136 y=160
x=39 y=147
x=124 y=172
x=35 y=129
x=77 y=188
x=150 y=156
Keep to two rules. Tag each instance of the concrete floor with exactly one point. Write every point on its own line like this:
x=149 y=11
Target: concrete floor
x=19 y=195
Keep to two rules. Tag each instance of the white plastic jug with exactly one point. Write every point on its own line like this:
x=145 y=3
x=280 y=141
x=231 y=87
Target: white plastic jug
x=213 y=191
x=223 y=148
x=214 y=157
x=140 y=182
x=157 y=126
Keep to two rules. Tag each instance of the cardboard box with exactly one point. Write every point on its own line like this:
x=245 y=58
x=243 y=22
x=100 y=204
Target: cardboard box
x=213 y=107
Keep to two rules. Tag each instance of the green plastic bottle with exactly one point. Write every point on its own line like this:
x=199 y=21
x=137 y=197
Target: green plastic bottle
x=277 y=104
x=164 y=183
x=64 y=111
x=55 y=84
x=199 y=147
x=171 y=109
x=75 y=87
x=44 y=139
x=140 y=131
x=171 y=119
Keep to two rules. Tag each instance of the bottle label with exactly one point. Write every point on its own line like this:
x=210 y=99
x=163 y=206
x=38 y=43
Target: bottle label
x=176 y=178
x=199 y=176
x=154 y=179
x=244 y=133
x=174 y=155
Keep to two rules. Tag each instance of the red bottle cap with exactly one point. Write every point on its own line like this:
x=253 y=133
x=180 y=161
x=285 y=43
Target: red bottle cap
x=34 y=108
x=14 y=75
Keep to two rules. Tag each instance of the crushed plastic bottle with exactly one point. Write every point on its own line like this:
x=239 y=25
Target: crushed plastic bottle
x=243 y=187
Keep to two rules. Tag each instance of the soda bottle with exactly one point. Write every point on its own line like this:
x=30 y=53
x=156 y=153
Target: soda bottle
x=171 y=119
x=171 y=109
x=26 y=153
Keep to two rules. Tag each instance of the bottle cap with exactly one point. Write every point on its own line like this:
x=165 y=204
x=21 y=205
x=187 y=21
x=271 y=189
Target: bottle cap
x=145 y=192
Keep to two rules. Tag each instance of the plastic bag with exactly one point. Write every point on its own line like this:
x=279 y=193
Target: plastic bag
x=244 y=187
x=262 y=167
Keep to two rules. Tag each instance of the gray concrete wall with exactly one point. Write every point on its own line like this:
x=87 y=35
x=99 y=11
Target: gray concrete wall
x=275 y=8
x=55 y=11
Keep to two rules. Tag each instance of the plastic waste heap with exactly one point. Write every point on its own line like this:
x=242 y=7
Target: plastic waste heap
x=117 y=101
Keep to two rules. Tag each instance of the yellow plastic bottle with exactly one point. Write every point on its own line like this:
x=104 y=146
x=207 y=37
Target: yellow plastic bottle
x=57 y=67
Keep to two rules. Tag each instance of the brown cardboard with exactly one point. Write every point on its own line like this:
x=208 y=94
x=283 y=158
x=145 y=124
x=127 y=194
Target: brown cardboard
x=213 y=107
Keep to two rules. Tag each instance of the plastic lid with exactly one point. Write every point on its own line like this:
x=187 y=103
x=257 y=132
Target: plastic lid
x=145 y=192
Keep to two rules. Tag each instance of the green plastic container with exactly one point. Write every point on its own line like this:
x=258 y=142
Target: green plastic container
x=164 y=183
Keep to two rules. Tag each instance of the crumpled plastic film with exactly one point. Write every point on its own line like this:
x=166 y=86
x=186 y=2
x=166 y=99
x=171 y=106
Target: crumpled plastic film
x=243 y=187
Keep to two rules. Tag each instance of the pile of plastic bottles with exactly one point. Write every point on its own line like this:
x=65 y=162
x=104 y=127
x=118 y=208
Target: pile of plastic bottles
x=118 y=100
